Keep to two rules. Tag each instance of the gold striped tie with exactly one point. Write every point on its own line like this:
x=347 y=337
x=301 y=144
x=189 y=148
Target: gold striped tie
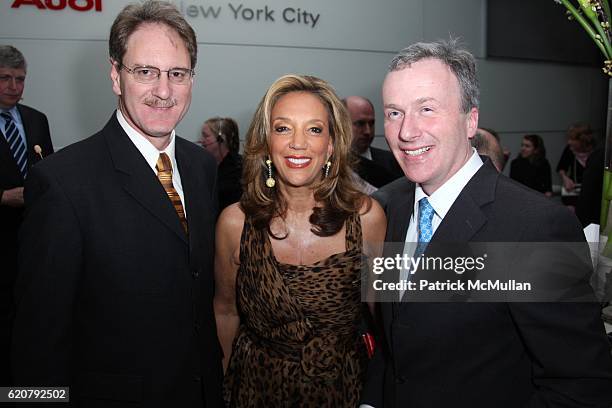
x=164 y=174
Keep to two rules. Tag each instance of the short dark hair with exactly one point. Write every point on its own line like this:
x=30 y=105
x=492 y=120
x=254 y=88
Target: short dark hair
x=11 y=57
x=460 y=61
x=154 y=12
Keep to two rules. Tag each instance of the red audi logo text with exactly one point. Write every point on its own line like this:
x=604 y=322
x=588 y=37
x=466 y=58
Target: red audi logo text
x=78 y=5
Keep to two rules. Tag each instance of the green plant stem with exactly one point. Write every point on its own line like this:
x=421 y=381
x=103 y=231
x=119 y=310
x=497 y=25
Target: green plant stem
x=568 y=5
x=602 y=34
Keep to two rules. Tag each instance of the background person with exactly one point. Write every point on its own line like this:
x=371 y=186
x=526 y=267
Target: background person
x=486 y=143
x=580 y=144
x=376 y=166
x=22 y=129
x=220 y=137
x=531 y=167
x=289 y=256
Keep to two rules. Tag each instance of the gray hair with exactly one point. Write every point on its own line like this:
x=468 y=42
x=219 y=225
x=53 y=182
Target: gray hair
x=460 y=61
x=151 y=11
x=11 y=57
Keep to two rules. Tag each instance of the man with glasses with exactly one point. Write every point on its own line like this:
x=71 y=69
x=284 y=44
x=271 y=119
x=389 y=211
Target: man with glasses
x=22 y=128
x=376 y=166
x=115 y=287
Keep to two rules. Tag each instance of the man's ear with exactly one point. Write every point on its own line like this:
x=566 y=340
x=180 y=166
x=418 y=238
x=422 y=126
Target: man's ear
x=115 y=77
x=472 y=122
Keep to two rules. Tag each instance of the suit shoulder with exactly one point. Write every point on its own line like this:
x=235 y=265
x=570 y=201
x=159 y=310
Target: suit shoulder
x=380 y=152
x=195 y=152
x=76 y=157
x=398 y=187
x=523 y=203
x=30 y=110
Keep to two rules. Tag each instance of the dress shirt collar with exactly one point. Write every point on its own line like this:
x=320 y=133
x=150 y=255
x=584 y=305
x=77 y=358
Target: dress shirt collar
x=444 y=197
x=14 y=112
x=146 y=148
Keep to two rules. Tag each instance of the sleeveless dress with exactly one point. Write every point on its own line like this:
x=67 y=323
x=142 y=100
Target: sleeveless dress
x=298 y=343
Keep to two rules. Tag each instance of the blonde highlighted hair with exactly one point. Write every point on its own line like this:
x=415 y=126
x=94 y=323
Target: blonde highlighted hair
x=337 y=195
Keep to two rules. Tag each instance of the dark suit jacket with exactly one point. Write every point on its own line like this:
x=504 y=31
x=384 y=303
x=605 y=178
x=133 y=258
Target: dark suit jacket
x=386 y=159
x=36 y=129
x=503 y=355
x=113 y=299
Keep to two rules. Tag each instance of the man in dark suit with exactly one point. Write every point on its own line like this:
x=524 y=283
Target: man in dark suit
x=443 y=354
x=114 y=296
x=23 y=128
x=376 y=166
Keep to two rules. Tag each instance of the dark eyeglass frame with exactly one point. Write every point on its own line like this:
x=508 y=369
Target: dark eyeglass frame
x=7 y=78
x=189 y=73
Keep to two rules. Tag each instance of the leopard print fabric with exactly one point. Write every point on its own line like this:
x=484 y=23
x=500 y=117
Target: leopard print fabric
x=298 y=344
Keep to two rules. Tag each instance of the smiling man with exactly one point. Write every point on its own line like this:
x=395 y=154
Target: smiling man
x=504 y=355
x=114 y=296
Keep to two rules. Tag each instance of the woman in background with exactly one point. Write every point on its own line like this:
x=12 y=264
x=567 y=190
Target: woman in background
x=289 y=256
x=580 y=144
x=531 y=167
x=220 y=137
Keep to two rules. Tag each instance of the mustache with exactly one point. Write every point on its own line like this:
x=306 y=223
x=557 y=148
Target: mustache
x=160 y=103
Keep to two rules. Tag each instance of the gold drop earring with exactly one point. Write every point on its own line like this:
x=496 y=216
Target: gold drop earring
x=270 y=182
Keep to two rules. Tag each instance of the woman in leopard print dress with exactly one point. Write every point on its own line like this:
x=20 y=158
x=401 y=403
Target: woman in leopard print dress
x=289 y=256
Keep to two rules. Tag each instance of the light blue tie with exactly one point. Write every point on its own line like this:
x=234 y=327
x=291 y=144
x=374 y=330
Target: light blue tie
x=15 y=142
x=426 y=214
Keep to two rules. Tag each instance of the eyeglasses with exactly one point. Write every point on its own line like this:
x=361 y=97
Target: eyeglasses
x=150 y=75
x=8 y=78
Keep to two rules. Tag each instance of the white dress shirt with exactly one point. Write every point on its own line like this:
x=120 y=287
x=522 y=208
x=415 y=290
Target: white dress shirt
x=151 y=154
x=441 y=200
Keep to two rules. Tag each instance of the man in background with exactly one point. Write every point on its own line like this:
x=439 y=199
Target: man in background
x=376 y=166
x=486 y=143
x=25 y=140
x=115 y=287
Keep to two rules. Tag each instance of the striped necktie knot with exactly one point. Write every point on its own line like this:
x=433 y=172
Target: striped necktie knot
x=164 y=174
x=15 y=142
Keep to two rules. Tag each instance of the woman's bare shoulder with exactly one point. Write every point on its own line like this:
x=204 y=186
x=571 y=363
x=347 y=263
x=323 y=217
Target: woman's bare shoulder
x=231 y=220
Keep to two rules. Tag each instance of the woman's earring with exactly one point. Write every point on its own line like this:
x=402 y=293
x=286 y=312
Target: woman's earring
x=327 y=166
x=270 y=182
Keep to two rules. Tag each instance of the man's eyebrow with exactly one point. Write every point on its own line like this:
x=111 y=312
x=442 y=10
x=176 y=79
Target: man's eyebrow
x=392 y=106
x=425 y=99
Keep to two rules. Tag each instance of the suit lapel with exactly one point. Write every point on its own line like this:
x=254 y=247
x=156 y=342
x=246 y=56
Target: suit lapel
x=138 y=179
x=192 y=191
x=5 y=154
x=399 y=210
x=465 y=217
